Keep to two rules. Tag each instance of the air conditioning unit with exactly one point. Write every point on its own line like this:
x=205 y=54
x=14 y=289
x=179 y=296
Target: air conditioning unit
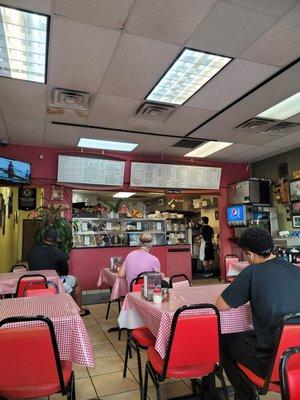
x=70 y=99
x=152 y=111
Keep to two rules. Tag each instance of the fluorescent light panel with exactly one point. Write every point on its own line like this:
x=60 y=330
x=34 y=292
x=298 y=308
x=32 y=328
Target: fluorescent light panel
x=23 y=45
x=123 y=195
x=186 y=76
x=207 y=149
x=283 y=110
x=106 y=144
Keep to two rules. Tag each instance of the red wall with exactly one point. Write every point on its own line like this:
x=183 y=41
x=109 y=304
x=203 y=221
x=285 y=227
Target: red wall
x=44 y=172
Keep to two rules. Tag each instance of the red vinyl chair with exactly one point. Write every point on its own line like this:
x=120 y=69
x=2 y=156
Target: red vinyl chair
x=227 y=261
x=31 y=291
x=290 y=374
x=138 y=338
x=30 y=366
x=193 y=349
x=179 y=281
x=24 y=280
x=288 y=335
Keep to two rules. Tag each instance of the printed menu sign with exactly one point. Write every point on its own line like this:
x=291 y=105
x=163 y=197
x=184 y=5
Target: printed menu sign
x=27 y=199
x=174 y=176
x=90 y=171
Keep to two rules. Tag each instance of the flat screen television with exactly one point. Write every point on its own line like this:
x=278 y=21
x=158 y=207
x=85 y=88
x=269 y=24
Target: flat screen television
x=236 y=215
x=14 y=171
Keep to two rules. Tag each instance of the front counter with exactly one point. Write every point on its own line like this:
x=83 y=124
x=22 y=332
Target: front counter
x=86 y=263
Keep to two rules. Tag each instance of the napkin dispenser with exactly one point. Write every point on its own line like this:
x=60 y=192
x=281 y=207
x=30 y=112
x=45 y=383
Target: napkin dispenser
x=151 y=281
x=114 y=263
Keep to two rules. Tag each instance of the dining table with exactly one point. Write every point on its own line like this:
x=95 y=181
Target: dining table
x=137 y=312
x=72 y=337
x=9 y=280
x=118 y=285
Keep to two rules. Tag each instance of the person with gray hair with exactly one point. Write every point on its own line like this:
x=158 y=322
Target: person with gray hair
x=140 y=260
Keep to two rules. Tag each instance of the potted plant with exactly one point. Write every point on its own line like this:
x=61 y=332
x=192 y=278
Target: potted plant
x=114 y=207
x=50 y=216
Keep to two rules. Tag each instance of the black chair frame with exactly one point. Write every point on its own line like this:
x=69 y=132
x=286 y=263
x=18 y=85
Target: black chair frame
x=66 y=390
x=157 y=378
x=282 y=370
x=31 y=284
x=31 y=276
x=15 y=267
x=290 y=319
x=179 y=276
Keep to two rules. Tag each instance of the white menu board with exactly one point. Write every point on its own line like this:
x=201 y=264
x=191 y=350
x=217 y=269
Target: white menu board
x=174 y=176
x=90 y=171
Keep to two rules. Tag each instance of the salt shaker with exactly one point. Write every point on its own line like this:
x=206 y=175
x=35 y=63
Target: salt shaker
x=157 y=295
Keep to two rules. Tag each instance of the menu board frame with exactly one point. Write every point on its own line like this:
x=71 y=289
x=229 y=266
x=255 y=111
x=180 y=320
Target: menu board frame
x=90 y=171
x=174 y=176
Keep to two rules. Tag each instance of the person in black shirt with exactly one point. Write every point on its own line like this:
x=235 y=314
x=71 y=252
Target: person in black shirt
x=47 y=256
x=272 y=286
x=206 y=254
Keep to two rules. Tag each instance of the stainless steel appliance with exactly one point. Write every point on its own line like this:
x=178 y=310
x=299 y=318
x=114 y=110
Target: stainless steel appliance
x=253 y=191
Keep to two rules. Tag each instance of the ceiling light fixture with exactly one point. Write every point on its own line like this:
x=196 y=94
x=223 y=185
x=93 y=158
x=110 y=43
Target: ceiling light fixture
x=190 y=71
x=23 y=44
x=283 y=110
x=123 y=195
x=207 y=149
x=106 y=145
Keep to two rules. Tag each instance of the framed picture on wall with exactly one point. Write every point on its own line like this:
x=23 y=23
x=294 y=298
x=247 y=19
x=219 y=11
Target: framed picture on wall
x=295 y=190
x=296 y=221
x=296 y=208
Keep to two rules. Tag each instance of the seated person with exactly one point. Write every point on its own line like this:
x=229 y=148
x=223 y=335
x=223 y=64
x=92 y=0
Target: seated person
x=271 y=285
x=140 y=260
x=47 y=256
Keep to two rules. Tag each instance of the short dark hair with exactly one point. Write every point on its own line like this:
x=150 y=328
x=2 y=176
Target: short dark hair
x=50 y=235
x=205 y=220
x=258 y=240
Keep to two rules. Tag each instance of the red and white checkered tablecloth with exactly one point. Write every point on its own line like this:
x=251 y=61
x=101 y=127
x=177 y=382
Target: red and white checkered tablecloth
x=137 y=312
x=71 y=334
x=119 y=287
x=9 y=280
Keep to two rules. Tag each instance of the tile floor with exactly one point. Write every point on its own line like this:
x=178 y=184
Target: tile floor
x=106 y=380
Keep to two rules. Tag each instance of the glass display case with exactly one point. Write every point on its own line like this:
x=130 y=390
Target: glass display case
x=107 y=232
x=176 y=232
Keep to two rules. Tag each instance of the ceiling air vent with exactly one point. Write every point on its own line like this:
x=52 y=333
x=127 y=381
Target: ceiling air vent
x=189 y=143
x=254 y=125
x=282 y=129
x=71 y=99
x=154 y=111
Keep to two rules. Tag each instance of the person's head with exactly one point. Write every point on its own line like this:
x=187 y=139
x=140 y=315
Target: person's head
x=257 y=244
x=205 y=220
x=50 y=237
x=146 y=241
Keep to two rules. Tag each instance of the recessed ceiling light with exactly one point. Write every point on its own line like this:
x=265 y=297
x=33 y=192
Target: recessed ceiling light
x=207 y=149
x=283 y=110
x=191 y=70
x=106 y=144
x=23 y=44
x=123 y=195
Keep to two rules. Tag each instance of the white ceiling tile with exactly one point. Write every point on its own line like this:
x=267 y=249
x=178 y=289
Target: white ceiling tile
x=142 y=125
x=231 y=151
x=21 y=99
x=80 y=54
x=260 y=140
x=137 y=65
x=257 y=153
x=175 y=151
x=155 y=144
x=296 y=67
x=274 y=7
x=24 y=131
x=107 y=13
x=164 y=21
x=40 y=6
x=294 y=118
x=291 y=139
x=229 y=29
x=235 y=80
x=280 y=44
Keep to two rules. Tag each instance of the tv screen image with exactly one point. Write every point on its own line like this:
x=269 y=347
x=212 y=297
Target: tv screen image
x=236 y=214
x=14 y=171
x=295 y=190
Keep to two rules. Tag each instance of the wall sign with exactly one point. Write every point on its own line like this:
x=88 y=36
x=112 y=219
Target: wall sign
x=27 y=199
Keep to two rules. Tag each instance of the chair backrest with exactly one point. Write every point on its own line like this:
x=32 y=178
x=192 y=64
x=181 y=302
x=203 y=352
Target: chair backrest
x=287 y=335
x=179 y=281
x=228 y=259
x=290 y=374
x=31 y=291
x=25 y=279
x=19 y=267
x=194 y=338
x=29 y=354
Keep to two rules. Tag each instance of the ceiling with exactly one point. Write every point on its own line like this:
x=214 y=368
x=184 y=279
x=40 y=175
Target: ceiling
x=118 y=49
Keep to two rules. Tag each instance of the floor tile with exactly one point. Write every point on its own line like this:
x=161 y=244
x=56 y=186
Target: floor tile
x=114 y=383
x=80 y=371
x=107 y=365
x=169 y=390
x=104 y=350
x=132 y=395
x=85 y=389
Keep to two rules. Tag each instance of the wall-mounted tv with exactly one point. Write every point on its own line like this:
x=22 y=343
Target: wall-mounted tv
x=236 y=215
x=14 y=172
